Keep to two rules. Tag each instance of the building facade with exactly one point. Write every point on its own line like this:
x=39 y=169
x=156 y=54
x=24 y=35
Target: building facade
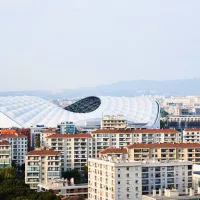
x=113 y=122
x=121 y=138
x=118 y=179
x=5 y=154
x=66 y=128
x=74 y=148
x=19 y=146
x=42 y=166
x=165 y=151
x=191 y=135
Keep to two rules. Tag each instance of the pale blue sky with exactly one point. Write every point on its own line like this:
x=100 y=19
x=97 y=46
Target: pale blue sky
x=48 y=44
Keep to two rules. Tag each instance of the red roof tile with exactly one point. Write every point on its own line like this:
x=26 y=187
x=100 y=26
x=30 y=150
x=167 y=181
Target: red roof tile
x=146 y=131
x=12 y=136
x=192 y=129
x=70 y=136
x=163 y=145
x=43 y=152
x=113 y=150
x=4 y=143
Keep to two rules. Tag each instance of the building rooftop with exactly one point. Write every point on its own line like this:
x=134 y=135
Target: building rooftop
x=192 y=129
x=146 y=131
x=80 y=135
x=163 y=145
x=12 y=135
x=183 y=197
x=114 y=150
x=51 y=130
x=2 y=143
x=43 y=152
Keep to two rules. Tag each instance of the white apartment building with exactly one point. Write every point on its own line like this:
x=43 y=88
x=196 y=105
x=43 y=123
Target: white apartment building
x=66 y=128
x=44 y=134
x=113 y=122
x=191 y=135
x=121 y=138
x=110 y=180
x=19 y=145
x=75 y=149
x=5 y=154
x=65 y=187
x=41 y=166
x=116 y=179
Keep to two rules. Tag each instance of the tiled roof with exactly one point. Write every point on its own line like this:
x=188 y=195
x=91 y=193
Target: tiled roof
x=4 y=143
x=80 y=135
x=146 y=131
x=164 y=145
x=113 y=150
x=192 y=129
x=12 y=135
x=51 y=130
x=8 y=131
x=43 y=152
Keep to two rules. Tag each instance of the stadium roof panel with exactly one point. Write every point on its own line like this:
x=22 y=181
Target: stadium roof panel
x=26 y=111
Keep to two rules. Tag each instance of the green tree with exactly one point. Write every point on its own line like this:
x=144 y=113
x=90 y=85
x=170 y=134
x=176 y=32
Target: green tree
x=8 y=173
x=163 y=113
x=37 y=142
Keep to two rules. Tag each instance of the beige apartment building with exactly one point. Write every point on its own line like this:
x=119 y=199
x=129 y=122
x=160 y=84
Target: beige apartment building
x=121 y=179
x=5 y=154
x=121 y=138
x=41 y=166
x=165 y=151
x=44 y=134
x=191 y=135
x=74 y=148
x=113 y=122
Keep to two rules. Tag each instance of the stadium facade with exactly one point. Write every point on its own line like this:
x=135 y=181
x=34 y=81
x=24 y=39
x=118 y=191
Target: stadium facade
x=27 y=111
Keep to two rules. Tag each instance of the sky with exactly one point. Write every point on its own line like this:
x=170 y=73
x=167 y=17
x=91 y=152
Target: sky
x=66 y=44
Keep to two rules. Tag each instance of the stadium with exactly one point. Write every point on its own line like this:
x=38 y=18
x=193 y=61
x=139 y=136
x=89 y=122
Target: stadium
x=27 y=111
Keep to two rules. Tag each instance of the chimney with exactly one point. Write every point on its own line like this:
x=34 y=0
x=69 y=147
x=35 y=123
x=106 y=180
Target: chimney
x=154 y=193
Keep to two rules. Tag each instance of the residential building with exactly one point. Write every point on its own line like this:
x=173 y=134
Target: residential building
x=109 y=180
x=172 y=194
x=165 y=151
x=66 y=128
x=19 y=146
x=117 y=179
x=113 y=122
x=5 y=154
x=183 y=122
x=121 y=138
x=75 y=149
x=65 y=188
x=35 y=134
x=41 y=166
x=191 y=135
x=111 y=152
x=44 y=134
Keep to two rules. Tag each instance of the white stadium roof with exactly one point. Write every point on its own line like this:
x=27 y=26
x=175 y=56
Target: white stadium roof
x=26 y=111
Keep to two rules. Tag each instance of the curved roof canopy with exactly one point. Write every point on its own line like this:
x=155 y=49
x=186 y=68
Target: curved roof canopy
x=29 y=111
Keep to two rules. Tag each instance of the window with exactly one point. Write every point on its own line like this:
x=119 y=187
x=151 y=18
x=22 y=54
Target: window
x=128 y=189
x=118 y=182
x=127 y=175
x=128 y=196
x=127 y=168
x=118 y=175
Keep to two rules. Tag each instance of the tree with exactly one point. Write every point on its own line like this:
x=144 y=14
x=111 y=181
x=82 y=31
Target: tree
x=37 y=142
x=8 y=173
x=72 y=174
x=163 y=123
x=163 y=113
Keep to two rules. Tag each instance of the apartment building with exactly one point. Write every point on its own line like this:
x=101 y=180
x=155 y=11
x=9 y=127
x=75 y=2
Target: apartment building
x=5 y=154
x=19 y=146
x=121 y=138
x=113 y=122
x=118 y=179
x=113 y=152
x=65 y=187
x=191 y=135
x=165 y=151
x=66 y=128
x=75 y=149
x=44 y=134
x=41 y=166
x=110 y=180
